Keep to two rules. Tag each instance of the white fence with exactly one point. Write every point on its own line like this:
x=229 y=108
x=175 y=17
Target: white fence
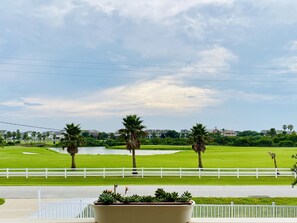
x=85 y=210
x=146 y=172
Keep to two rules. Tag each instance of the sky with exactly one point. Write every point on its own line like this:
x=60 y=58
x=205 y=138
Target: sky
x=223 y=63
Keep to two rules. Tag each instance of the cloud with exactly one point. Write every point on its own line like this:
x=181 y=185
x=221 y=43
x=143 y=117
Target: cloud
x=247 y=96
x=293 y=45
x=211 y=62
x=159 y=96
x=55 y=12
x=155 y=10
x=275 y=12
x=289 y=63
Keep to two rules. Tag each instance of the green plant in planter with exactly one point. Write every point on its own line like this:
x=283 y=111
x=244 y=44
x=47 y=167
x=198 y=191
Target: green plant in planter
x=185 y=197
x=109 y=197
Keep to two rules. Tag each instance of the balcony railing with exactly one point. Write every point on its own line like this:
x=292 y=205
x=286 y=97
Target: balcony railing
x=85 y=210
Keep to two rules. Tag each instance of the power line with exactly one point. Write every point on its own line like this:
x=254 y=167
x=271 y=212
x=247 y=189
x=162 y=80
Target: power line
x=31 y=126
x=145 y=78
x=135 y=65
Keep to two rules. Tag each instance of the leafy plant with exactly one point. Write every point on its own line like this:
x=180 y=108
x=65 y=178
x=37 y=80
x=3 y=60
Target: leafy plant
x=147 y=199
x=185 y=197
x=133 y=198
x=109 y=197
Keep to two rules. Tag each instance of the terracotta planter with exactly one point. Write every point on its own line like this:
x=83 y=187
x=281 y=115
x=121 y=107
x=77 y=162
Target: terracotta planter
x=143 y=213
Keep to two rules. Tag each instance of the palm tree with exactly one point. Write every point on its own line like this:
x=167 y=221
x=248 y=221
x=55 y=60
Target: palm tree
x=33 y=136
x=72 y=140
x=199 y=135
x=290 y=127
x=132 y=132
x=273 y=157
x=285 y=128
x=272 y=132
x=1 y=141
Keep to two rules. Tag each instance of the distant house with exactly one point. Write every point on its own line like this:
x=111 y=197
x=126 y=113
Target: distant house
x=184 y=133
x=223 y=132
x=229 y=133
x=156 y=133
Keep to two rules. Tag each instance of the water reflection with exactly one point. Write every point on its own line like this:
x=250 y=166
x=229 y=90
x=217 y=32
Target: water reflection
x=105 y=151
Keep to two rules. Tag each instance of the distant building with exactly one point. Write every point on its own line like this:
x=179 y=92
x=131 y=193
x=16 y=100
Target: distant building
x=229 y=133
x=156 y=133
x=184 y=133
x=223 y=132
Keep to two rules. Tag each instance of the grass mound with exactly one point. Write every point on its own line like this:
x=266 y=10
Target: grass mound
x=2 y=201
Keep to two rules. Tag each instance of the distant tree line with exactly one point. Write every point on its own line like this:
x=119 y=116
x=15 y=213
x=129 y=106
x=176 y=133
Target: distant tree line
x=271 y=138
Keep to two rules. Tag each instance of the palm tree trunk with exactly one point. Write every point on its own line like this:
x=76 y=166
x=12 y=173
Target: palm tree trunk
x=73 y=165
x=134 y=171
x=275 y=165
x=199 y=160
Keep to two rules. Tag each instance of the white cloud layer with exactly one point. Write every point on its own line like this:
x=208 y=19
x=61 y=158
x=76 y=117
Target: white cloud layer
x=158 y=96
x=153 y=9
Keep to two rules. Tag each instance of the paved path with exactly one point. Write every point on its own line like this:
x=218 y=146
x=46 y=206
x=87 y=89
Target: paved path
x=31 y=192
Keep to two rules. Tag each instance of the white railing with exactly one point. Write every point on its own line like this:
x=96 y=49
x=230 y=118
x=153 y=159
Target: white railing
x=146 y=172
x=85 y=210
x=244 y=211
x=65 y=211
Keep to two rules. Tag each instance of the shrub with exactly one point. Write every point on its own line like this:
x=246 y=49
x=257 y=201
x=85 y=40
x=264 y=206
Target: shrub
x=286 y=143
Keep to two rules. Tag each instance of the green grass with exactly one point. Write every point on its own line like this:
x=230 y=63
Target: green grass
x=60 y=181
x=2 y=201
x=247 y=200
x=214 y=156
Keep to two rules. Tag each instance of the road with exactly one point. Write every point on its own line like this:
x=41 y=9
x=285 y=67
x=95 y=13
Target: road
x=31 y=192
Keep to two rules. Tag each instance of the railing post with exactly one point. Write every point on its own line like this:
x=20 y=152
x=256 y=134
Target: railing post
x=39 y=203
x=85 y=172
x=257 y=173
x=219 y=173
x=161 y=172
x=273 y=209
x=7 y=173
x=65 y=172
x=237 y=172
x=142 y=172
x=123 y=171
x=104 y=172
x=180 y=172
x=199 y=172
x=232 y=209
x=45 y=172
x=27 y=173
x=276 y=172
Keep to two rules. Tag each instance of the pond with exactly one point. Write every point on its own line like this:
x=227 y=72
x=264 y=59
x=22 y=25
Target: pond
x=105 y=151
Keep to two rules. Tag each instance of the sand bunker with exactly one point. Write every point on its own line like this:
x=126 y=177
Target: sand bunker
x=28 y=153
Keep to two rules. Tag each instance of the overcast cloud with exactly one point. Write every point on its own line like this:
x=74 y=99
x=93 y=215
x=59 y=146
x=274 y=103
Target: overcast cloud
x=224 y=63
